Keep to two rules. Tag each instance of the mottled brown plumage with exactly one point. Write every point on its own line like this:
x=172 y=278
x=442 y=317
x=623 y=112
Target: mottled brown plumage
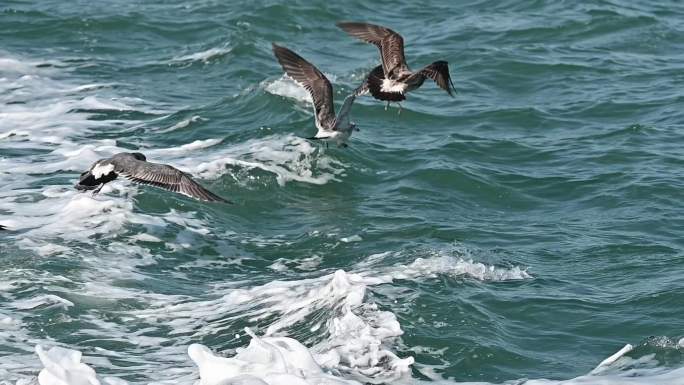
x=136 y=168
x=397 y=78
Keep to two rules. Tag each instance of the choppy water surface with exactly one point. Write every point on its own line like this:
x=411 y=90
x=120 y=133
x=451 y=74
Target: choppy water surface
x=522 y=232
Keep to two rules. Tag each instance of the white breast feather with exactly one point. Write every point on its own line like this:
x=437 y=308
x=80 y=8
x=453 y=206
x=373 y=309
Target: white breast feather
x=391 y=86
x=99 y=170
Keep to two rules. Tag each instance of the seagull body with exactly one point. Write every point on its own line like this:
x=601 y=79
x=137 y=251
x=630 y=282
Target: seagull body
x=392 y=80
x=331 y=128
x=135 y=167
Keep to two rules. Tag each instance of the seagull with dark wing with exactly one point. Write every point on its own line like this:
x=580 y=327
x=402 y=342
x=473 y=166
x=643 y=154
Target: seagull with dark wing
x=392 y=80
x=331 y=128
x=135 y=167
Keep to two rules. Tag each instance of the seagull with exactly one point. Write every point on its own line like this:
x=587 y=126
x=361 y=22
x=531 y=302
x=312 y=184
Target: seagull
x=2 y=228
x=392 y=80
x=331 y=128
x=135 y=167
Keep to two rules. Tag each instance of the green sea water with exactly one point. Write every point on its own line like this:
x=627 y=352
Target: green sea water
x=527 y=228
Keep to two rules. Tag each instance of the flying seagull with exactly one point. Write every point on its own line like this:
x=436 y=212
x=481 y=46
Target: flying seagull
x=135 y=167
x=331 y=128
x=392 y=80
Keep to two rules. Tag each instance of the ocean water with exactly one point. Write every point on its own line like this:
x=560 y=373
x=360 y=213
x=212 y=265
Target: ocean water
x=522 y=232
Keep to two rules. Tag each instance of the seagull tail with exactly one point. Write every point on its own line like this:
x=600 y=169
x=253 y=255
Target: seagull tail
x=374 y=86
x=86 y=182
x=209 y=196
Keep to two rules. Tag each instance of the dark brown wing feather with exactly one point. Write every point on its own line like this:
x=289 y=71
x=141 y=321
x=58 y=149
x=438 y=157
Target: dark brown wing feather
x=390 y=43
x=312 y=80
x=166 y=177
x=439 y=72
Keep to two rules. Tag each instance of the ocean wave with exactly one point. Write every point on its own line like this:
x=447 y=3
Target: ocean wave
x=285 y=361
x=331 y=315
x=182 y=124
x=286 y=157
x=153 y=288
x=287 y=87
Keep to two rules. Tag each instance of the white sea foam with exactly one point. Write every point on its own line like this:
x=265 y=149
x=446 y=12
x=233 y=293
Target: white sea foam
x=611 y=360
x=353 y=238
x=353 y=339
x=50 y=120
x=64 y=367
x=44 y=111
x=306 y=264
x=285 y=361
x=646 y=376
x=454 y=263
x=9 y=323
x=40 y=113
x=203 y=56
x=188 y=147
x=358 y=336
x=268 y=360
x=146 y=238
x=285 y=86
x=182 y=124
x=257 y=364
x=78 y=216
x=456 y=266
x=286 y=157
x=43 y=300
x=23 y=66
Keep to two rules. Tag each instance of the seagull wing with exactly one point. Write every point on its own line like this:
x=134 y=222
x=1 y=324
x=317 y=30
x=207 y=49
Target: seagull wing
x=390 y=43
x=439 y=72
x=163 y=176
x=342 y=119
x=313 y=80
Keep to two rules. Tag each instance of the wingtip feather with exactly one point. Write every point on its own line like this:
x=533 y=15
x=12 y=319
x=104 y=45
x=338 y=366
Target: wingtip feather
x=276 y=48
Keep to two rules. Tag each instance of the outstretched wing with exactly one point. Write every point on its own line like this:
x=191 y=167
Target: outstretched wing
x=390 y=43
x=313 y=80
x=164 y=176
x=439 y=72
x=343 y=116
